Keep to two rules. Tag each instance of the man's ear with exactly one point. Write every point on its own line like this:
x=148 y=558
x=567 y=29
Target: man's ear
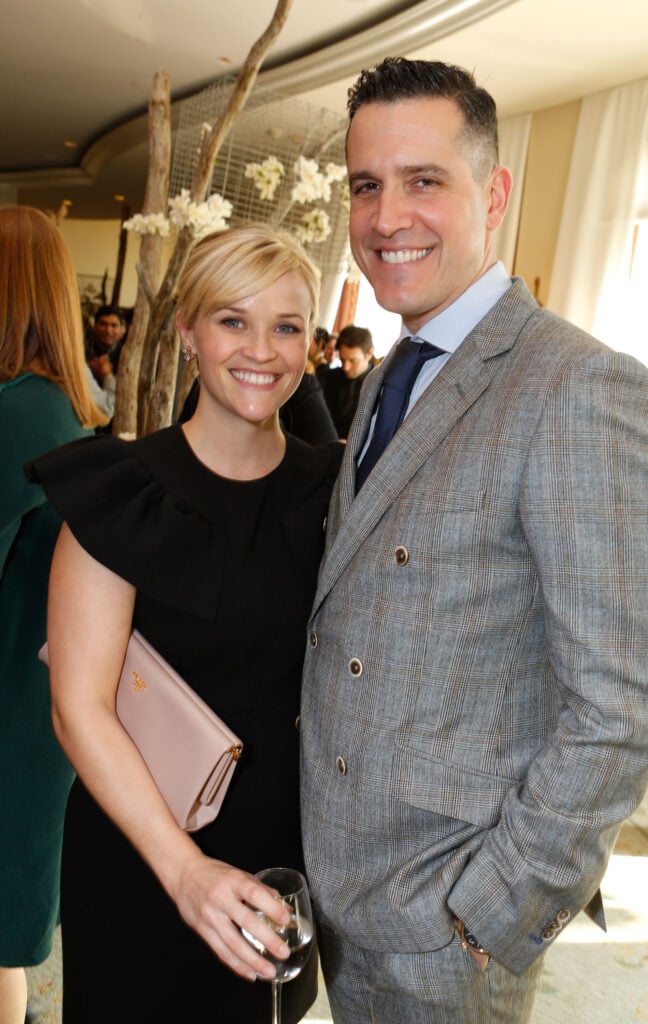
x=499 y=193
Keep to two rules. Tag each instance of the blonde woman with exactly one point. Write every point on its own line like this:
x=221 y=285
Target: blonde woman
x=205 y=536
x=44 y=401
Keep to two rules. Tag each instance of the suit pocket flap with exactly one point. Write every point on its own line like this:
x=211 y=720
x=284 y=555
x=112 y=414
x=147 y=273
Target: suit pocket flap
x=449 y=789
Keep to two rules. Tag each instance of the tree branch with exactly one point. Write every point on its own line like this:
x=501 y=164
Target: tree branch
x=162 y=311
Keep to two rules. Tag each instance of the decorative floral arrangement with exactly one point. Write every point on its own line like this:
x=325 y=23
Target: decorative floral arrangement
x=266 y=176
x=313 y=227
x=312 y=186
x=202 y=218
x=148 y=224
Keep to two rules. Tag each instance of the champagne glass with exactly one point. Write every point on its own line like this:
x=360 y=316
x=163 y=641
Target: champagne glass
x=298 y=933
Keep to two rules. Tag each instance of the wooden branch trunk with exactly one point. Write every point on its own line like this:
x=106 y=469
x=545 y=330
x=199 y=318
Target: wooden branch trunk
x=148 y=367
x=155 y=404
x=161 y=320
x=155 y=201
x=160 y=408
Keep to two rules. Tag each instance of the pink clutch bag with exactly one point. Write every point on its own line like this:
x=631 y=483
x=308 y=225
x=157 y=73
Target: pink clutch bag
x=188 y=750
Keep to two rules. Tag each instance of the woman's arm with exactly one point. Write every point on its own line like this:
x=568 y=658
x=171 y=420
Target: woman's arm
x=90 y=614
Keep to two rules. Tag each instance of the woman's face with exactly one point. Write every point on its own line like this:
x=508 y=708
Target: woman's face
x=252 y=354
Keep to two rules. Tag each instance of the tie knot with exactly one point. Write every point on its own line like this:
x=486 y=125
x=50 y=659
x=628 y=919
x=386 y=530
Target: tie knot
x=408 y=359
x=397 y=385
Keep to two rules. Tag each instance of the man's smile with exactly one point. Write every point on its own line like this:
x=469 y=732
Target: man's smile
x=403 y=255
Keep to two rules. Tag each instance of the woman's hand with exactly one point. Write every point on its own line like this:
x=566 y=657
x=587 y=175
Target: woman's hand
x=218 y=900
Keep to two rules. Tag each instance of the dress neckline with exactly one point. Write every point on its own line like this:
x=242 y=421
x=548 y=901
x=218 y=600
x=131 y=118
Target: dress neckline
x=227 y=480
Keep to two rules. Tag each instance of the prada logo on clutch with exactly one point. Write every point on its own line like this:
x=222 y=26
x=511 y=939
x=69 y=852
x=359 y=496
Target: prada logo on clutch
x=139 y=686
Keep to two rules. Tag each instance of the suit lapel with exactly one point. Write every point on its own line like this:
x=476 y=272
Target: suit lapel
x=450 y=394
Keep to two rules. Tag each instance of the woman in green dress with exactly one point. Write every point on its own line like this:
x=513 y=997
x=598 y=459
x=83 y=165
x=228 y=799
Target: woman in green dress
x=44 y=402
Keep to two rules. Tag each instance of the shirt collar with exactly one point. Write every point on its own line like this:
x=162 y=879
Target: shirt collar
x=450 y=327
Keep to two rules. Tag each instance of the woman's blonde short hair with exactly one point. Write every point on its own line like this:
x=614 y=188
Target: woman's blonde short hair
x=230 y=265
x=40 y=312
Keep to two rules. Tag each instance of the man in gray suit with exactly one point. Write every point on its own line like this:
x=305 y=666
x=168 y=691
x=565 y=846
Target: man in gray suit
x=475 y=710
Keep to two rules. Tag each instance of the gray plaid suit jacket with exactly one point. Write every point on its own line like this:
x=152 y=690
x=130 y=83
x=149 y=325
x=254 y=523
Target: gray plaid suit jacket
x=475 y=703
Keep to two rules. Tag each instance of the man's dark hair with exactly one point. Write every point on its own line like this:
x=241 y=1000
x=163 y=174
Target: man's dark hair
x=110 y=311
x=398 y=79
x=355 y=337
x=320 y=336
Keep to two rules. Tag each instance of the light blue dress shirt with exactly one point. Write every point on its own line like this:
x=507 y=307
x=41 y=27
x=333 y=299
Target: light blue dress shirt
x=450 y=327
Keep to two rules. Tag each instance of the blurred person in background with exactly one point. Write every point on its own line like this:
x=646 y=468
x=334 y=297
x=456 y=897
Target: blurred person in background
x=44 y=401
x=105 y=341
x=342 y=385
x=316 y=356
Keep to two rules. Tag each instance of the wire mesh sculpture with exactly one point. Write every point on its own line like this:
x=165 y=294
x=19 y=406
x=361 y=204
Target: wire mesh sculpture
x=282 y=163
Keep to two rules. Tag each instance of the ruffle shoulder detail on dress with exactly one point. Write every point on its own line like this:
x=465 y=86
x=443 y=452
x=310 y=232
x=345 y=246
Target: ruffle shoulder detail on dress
x=124 y=517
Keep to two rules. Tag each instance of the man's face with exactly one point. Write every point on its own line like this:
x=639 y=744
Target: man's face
x=108 y=330
x=421 y=222
x=354 y=360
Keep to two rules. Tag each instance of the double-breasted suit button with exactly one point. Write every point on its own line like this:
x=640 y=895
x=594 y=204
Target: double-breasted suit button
x=324 y=522
x=340 y=764
x=313 y=639
x=402 y=555
x=552 y=928
x=355 y=667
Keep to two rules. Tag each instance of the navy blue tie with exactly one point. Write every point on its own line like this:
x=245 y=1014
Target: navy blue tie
x=397 y=387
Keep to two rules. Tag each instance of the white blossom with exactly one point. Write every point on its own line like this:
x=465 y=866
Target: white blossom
x=202 y=218
x=305 y=169
x=148 y=224
x=335 y=172
x=314 y=227
x=266 y=176
x=311 y=184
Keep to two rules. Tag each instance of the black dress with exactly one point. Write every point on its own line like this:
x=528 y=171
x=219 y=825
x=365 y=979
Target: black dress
x=225 y=574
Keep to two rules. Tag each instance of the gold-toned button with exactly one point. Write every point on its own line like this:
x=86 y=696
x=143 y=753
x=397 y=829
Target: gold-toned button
x=341 y=765
x=297 y=721
x=355 y=667
x=402 y=556
x=548 y=933
x=563 y=915
x=313 y=638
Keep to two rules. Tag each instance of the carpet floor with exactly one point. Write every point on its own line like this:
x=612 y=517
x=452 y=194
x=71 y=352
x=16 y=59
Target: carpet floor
x=590 y=976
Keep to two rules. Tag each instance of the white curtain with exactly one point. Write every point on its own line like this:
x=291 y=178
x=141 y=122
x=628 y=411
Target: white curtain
x=513 y=146
x=591 y=283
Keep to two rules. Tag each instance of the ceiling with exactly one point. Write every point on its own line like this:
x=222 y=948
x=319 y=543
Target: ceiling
x=76 y=75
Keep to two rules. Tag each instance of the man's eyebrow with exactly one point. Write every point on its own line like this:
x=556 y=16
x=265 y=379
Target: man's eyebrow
x=406 y=171
x=362 y=176
x=433 y=170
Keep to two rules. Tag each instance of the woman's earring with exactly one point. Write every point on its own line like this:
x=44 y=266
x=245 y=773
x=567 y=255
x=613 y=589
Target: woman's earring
x=187 y=355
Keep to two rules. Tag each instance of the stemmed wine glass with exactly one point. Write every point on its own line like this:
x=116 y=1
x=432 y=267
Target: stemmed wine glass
x=298 y=933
